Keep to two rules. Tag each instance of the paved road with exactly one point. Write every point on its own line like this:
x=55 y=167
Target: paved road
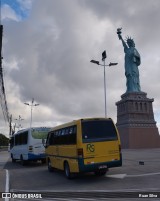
x=140 y=174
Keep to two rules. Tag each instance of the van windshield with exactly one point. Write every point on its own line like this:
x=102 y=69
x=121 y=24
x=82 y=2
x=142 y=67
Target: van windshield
x=40 y=133
x=98 y=130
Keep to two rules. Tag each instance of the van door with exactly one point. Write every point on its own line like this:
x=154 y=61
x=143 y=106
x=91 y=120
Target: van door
x=100 y=141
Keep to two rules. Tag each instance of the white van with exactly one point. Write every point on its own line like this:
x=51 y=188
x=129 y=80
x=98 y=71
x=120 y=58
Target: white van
x=26 y=145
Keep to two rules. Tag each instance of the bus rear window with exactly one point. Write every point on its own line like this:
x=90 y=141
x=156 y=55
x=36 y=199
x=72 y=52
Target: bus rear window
x=98 y=130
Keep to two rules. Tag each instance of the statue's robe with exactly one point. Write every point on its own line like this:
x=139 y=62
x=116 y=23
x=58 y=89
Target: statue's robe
x=132 y=61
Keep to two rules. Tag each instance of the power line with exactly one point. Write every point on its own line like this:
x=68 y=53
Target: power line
x=3 y=99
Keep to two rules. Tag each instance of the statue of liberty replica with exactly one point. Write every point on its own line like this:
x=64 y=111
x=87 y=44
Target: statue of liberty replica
x=135 y=117
x=132 y=61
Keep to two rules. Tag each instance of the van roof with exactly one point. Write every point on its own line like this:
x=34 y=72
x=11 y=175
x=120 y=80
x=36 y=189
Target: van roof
x=33 y=128
x=71 y=123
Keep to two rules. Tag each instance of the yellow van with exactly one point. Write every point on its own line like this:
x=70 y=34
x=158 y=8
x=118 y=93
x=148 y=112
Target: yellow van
x=84 y=145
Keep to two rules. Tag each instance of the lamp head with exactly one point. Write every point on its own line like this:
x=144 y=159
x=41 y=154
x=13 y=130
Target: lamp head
x=113 y=64
x=36 y=104
x=104 y=56
x=95 y=62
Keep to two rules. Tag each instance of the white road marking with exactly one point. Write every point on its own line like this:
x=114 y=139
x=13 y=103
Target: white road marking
x=7 y=184
x=118 y=176
x=143 y=175
x=122 y=176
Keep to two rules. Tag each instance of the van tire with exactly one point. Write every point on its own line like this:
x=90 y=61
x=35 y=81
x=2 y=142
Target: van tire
x=50 y=168
x=13 y=160
x=67 y=172
x=23 y=162
x=43 y=161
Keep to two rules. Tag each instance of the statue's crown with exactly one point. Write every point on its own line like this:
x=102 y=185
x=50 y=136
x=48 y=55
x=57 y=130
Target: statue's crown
x=129 y=39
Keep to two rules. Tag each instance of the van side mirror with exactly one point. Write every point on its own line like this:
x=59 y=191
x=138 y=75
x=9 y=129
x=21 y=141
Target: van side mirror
x=44 y=142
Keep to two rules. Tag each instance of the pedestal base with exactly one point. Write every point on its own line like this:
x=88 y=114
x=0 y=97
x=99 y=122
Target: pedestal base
x=135 y=121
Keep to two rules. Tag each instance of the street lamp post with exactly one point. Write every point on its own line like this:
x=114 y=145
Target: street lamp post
x=104 y=56
x=19 y=119
x=31 y=105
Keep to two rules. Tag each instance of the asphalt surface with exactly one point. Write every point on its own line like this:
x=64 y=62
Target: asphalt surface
x=140 y=173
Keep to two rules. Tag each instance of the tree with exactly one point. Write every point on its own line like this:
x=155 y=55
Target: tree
x=3 y=140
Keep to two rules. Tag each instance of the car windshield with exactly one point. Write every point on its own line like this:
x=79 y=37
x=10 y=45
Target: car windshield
x=98 y=130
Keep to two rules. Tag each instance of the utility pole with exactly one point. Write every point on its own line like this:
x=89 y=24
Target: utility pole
x=19 y=119
x=10 y=126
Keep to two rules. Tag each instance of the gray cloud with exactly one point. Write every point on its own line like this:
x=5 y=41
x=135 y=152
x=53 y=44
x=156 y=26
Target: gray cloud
x=47 y=56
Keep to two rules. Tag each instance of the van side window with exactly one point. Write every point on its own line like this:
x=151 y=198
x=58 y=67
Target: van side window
x=71 y=130
x=63 y=131
x=66 y=131
x=65 y=136
x=49 y=139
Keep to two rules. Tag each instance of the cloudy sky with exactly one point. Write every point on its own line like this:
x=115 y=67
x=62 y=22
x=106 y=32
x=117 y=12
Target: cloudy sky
x=47 y=48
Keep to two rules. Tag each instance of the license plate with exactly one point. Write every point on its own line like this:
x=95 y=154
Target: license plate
x=102 y=167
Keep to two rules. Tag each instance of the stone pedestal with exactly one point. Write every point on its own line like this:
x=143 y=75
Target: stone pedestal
x=135 y=121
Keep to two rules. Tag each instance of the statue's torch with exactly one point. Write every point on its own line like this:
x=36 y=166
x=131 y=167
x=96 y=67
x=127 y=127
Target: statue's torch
x=119 y=33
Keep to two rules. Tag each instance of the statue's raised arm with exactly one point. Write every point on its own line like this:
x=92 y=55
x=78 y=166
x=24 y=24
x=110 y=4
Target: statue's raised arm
x=132 y=61
x=119 y=32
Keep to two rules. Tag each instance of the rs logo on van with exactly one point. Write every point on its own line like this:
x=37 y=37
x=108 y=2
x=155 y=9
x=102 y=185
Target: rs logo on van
x=90 y=148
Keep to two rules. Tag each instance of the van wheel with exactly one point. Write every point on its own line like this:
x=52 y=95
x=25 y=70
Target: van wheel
x=100 y=172
x=43 y=161
x=68 y=174
x=50 y=168
x=13 y=160
x=23 y=162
